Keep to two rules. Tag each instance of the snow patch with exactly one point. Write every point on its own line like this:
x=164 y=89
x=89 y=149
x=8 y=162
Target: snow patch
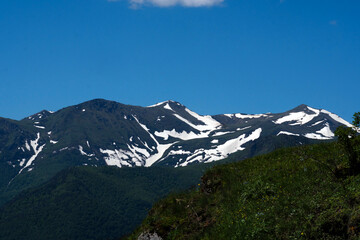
x=22 y=162
x=300 y=118
x=117 y=157
x=337 y=118
x=323 y=134
x=167 y=106
x=161 y=148
x=244 y=116
x=178 y=152
x=326 y=131
x=157 y=104
x=139 y=153
x=221 y=133
x=241 y=129
x=37 y=149
x=182 y=135
x=84 y=153
x=27 y=145
x=317 y=123
x=315 y=136
x=316 y=111
x=200 y=128
x=42 y=127
x=287 y=133
x=221 y=151
x=53 y=142
x=209 y=122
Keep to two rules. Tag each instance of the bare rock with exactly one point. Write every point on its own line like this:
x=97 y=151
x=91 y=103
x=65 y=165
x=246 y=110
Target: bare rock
x=149 y=236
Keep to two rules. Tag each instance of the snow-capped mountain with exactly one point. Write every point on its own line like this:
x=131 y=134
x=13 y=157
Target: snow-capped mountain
x=101 y=132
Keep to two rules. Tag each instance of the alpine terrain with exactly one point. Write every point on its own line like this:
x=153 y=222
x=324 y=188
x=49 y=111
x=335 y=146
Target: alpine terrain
x=92 y=171
x=101 y=132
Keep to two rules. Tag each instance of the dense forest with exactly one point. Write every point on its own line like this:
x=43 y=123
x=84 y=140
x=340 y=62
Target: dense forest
x=91 y=202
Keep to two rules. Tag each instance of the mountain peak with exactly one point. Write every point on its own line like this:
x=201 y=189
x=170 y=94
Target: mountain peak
x=303 y=108
x=165 y=102
x=40 y=115
x=98 y=101
x=101 y=104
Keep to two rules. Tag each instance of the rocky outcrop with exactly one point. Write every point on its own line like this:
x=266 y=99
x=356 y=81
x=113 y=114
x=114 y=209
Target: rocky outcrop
x=149 y=236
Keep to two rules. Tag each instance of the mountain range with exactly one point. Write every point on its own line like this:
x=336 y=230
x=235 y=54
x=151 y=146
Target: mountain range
x=101 y=132
x=93 y=170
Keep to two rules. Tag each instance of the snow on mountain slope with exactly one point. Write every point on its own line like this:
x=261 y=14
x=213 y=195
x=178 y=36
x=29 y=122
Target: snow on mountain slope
x=287 y=133
x=181 y=135
x=300 y=118
x=166 y=133
x=324 y=133
x=337 y=118
x=220 y=151
x=308 y=115
x=245 y=116
x=37 y=149
x=209 y=123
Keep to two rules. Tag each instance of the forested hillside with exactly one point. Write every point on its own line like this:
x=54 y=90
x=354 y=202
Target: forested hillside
x=91 y=202
x=307 y=192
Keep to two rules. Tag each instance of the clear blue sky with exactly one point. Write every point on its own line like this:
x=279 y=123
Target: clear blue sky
x=235 y=56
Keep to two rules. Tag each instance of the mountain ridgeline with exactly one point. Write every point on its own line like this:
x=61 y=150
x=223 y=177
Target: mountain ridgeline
x=107 y=133
x=93 y=170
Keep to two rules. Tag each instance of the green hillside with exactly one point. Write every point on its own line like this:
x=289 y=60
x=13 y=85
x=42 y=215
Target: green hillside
x=91 y=202
x=302 y=192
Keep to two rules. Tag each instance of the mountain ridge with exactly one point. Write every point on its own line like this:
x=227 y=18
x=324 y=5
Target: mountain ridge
x=102 y=132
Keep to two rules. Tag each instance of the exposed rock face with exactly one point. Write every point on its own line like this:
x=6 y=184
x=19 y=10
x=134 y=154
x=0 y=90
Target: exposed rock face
x=149 y=236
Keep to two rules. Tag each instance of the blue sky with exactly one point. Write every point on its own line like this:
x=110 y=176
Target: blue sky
x=214 y=56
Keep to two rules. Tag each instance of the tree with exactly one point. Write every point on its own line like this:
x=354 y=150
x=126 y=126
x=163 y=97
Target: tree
x=356 y=121
x=349 y=139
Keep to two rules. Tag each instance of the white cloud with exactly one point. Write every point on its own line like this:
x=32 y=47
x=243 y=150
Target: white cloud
x=170 y=3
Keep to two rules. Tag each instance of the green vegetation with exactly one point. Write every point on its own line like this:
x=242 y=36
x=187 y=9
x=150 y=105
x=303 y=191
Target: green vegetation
x=91 y=202
x=307 y=192
x=347 y=137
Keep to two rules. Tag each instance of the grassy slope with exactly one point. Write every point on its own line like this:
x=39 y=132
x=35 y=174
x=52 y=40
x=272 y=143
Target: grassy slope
x=91 y=203
x=288 y=194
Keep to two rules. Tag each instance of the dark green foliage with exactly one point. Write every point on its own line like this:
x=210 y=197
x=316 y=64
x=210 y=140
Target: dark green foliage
x=91 y=203
x=289 y=194
x=356 y=119
x=350 y=141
